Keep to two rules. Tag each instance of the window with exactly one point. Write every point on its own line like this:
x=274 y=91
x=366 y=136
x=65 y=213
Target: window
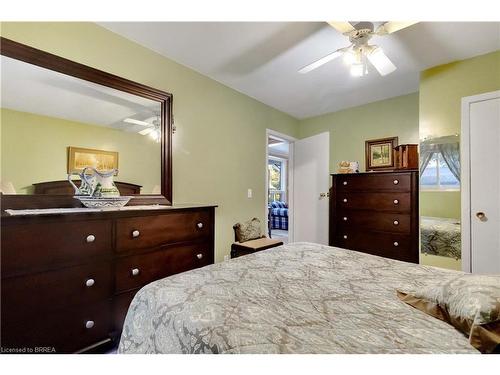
x=277 y=179
x=437 y=175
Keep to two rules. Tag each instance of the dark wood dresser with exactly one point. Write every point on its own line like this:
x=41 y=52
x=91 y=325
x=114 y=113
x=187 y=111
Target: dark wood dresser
x=376 y=213
x=68 y=280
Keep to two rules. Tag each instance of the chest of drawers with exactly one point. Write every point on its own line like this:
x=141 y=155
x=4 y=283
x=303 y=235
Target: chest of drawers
x=67 y=280
x=376 y=213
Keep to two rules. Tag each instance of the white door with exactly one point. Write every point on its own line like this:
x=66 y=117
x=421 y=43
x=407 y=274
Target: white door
x=484 y=159
x=310 y=187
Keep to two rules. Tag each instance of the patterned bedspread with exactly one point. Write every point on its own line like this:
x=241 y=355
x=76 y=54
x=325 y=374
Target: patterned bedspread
x=441 y=236
x=297 y=298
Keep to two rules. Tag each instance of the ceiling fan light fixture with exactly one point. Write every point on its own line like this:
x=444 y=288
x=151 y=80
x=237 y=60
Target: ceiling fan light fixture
x=350 y=57
x=357 y=69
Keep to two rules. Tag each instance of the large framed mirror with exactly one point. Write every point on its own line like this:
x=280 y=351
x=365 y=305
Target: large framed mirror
x=59 y=116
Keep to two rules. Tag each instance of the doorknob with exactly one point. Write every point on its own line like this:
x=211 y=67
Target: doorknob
x=481 y=215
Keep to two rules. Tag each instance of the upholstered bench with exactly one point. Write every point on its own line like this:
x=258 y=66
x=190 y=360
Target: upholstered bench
x=249 y=239
x=243 y=248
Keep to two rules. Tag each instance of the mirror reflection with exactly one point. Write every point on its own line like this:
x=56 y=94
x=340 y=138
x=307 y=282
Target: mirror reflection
x=440 y=200
x=53 y=124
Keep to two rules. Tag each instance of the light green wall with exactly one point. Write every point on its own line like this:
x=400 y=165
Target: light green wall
x=350 y=128
x=34 y=149
x=219 y=147
x=441 y=91
x=443 y=87
x=440 y=204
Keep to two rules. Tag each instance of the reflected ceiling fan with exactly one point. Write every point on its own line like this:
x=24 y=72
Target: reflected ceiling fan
x=360 y=52
x=152 y=125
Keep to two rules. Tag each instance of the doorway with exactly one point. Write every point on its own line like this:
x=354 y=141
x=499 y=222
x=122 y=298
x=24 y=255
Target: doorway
x=279 y=185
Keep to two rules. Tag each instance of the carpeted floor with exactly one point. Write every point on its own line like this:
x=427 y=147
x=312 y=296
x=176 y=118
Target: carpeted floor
x=280 y=234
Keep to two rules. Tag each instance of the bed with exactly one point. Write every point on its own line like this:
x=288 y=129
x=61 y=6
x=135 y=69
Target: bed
x=440 y=236
x=296 y=298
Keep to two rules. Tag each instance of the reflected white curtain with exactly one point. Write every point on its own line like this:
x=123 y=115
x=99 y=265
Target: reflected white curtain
x=448 y=147
x=451 y=155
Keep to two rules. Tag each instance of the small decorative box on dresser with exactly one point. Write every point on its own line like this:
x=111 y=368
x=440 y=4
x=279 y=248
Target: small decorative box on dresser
x=68 y=279
x=376 y=213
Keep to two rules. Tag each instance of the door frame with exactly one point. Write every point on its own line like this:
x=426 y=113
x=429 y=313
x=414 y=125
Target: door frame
x=290 y=168
x=465 y=175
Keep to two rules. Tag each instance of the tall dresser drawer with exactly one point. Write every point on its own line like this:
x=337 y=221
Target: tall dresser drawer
x=138 y=270
x=47 y=291
x=374 y=221
x=374 y=182
x=395 y=202
x=151 y=231
x=64 y=331
x=57 y=243
x=390 y=245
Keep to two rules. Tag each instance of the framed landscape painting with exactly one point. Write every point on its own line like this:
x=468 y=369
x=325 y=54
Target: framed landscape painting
x=79 y=158
x=379 y=154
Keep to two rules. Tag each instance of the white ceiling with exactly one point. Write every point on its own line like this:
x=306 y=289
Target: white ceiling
x=30 y=88
x=261 y=60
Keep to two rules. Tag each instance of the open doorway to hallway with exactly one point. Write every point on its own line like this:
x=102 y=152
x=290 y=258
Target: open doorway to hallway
x=278 y=187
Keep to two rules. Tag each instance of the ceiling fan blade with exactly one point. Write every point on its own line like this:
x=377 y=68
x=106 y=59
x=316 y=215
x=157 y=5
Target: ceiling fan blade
x=341 y=27
x=137 y=122
x=381 y=62
x=322 y=61
x=393 y=26
x=146 y=131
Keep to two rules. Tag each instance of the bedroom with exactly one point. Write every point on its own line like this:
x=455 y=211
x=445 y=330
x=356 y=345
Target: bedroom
x=200 y=167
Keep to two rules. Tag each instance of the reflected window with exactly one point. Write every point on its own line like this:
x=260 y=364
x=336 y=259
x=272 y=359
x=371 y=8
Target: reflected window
x=437 y=174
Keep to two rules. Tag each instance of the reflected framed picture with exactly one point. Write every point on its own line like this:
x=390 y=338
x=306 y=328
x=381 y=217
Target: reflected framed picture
x=79 y=158
x=379 y=153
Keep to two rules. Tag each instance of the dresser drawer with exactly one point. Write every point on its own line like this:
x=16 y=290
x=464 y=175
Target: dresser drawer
x=389 y=245
x=39 y=246
x=395 y=202
x=121 y=303
x=65 y=331
x=151 y=231
x=49 y=291
x=373 y=221
x=138 y=270
x=374 y=182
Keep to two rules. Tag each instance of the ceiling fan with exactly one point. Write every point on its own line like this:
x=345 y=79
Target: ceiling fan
x=152 y=125
x=360 y=52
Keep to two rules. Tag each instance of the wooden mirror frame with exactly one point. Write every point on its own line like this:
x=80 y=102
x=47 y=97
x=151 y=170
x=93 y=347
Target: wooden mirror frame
x=59 y=64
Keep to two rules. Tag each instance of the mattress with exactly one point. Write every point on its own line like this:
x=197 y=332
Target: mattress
x=440 y=236
x=296 y=298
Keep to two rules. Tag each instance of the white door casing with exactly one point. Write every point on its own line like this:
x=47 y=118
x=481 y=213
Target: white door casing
x=480 y=183
x=311 y=180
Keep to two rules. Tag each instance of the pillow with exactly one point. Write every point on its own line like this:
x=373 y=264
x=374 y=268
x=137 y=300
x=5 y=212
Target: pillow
x=471 y=303
x=278 y=204
x=249 y=230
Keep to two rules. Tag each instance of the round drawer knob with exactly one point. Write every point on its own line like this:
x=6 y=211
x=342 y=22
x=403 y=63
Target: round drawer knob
x=345 y=200
x=199 y=225
x=396 y=201
x=89 y=324
x=136 y=233
x=396 y=244
x=135 y=271
x=345 y=182
x=89 y=282
x=345 y=236
x=90 y=238
x=395 y=182
x=199 y=256
x=345 y=218
x=396 y=222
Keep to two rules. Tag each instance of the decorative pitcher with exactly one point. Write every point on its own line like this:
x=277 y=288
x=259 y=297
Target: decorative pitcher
x=87 y=184
x=104 y=186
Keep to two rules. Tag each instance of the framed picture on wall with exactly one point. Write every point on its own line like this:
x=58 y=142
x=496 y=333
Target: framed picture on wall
x=379 y=153
x=79 y=158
